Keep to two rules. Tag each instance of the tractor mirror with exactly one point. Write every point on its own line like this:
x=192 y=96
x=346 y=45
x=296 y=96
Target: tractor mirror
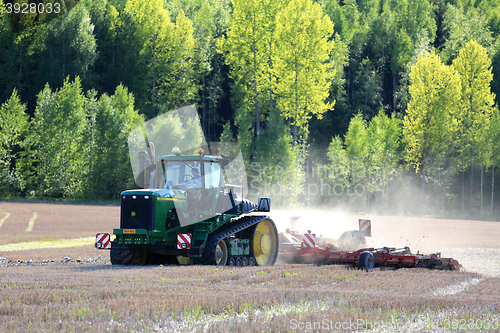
x=264 y=205
x=225 y=162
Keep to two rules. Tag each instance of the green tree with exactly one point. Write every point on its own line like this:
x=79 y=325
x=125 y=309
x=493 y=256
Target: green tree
x=227 y=133
x=494 y=141
x=277 y=172
x=111 y=47
x=249 y=50
x=14 y=126
x=476 y=107
x=338 y=168
x=178 y=82
x=62 y=152
x=385 y=145
x=463 y=27
x=8 y=62
x=66 y=47
x=357 y=151
x=159 y=69
x=435 y=90
x=414 y=17
x=210 y=19
x=369 y=89
x=304 y=69
x=149 y=31
x=111 y=171
x=403 y=51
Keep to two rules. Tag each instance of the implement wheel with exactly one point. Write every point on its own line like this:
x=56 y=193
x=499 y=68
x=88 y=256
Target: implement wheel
x=264 y=242
x=366 y=261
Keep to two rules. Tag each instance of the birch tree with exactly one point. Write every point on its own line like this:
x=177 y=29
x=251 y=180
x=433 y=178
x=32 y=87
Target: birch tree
x=476 y=107
x=427 y=126
x=305 y=68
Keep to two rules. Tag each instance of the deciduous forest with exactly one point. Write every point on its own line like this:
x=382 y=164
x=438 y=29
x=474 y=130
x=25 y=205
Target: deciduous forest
x=380 y=106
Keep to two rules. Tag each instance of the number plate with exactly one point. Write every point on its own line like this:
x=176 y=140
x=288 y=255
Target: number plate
x=129 y=231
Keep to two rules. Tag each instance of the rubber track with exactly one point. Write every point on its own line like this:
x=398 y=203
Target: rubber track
x=226 y=230
x=121 y=254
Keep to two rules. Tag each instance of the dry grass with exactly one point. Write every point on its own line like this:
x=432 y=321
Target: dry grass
x=91 y=297
x=82 y=297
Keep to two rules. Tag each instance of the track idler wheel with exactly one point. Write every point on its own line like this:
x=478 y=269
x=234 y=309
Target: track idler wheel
x=221 y=253
x=264 y=242
x=251 y=261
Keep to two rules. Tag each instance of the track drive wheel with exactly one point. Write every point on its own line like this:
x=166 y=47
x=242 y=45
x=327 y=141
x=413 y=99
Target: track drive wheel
x=127 y=255
x=140 y=256
x=264 y=242
x=120 y=254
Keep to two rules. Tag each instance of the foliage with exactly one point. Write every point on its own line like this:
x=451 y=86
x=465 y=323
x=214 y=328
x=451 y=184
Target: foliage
x=227 y=134
x=161 y=68
x=13 y=129
x=276 y=170
x=386 y=149
x=66 y=47
x=110 y=165
x=269 y=74
x=463 y=27
x=304 y=68
x=476 y=104
x=428 y=123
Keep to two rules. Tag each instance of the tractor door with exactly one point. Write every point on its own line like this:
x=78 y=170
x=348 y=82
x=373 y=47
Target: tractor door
x=213 y=184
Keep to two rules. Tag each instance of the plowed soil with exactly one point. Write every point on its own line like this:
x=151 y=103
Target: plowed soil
x=76 y=289
x=475 y=244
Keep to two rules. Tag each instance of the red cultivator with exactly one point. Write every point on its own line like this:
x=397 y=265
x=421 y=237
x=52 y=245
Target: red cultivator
x=295 y=248
x=370 y=257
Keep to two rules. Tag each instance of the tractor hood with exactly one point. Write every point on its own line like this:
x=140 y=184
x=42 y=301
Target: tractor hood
x=154 y=192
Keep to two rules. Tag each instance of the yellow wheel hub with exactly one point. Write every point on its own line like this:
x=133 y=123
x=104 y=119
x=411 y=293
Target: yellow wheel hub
x=218 y=254
x=221 y=253
x=264 y=243
x=139 y=257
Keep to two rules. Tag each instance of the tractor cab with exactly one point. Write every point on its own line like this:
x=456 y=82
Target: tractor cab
x=197 y=187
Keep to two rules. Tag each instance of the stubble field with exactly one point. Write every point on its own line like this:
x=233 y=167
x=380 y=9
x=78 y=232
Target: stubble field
x=87 y=294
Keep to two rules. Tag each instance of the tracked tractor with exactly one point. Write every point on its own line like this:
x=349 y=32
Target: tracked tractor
x=190 y=213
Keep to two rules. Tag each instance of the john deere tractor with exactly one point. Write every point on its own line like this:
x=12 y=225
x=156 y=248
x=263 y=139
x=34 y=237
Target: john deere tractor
x=190 y=213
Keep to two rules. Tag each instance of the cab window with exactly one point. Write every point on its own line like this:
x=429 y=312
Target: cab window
x=212 y=175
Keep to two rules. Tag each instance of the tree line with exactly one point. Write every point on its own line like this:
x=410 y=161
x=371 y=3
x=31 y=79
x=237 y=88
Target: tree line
x=450 y=127
x=373 y=92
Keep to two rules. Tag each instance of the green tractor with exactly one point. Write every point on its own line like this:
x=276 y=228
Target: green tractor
x=192 y=215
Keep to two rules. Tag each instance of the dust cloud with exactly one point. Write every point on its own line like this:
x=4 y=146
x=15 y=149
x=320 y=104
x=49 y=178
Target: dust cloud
x=475 y=244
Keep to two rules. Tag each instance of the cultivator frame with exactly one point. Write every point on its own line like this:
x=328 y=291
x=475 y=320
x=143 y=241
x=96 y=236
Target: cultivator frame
x=295 y=248
x=383 y=257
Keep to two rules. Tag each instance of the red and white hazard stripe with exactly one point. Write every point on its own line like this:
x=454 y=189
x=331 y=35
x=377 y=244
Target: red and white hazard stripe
x=102 y=241
x=309 y=240
x=365 y=226
x=183 y=241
